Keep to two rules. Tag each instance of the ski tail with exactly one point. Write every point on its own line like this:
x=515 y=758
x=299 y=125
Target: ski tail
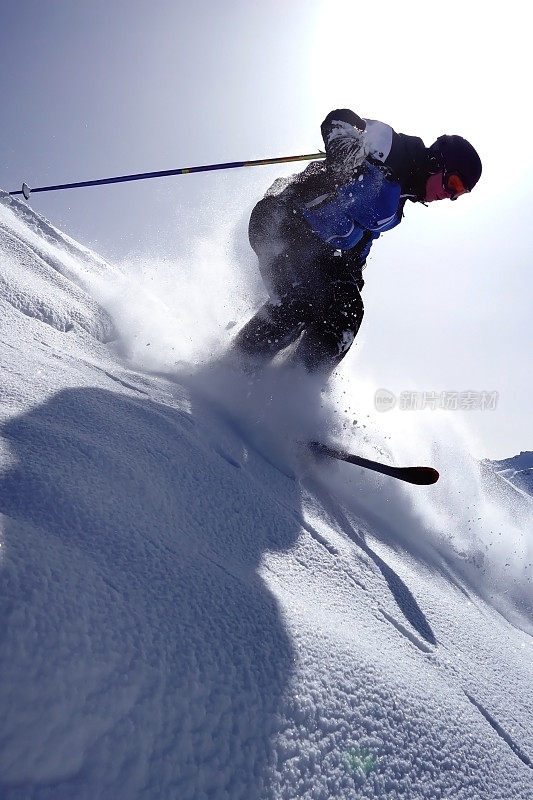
x=421 y=476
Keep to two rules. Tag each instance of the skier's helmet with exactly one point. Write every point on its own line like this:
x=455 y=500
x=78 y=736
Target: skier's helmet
x=456 y=155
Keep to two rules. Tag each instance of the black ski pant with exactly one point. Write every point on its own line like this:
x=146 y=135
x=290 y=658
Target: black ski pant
x=314 y=291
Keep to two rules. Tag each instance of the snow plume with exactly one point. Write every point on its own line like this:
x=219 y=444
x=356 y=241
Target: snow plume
x=471 y=526
x=171 y=309
x=176 y=317
x=277 y=409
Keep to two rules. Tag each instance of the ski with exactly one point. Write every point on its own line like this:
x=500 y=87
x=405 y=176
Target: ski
x=422 y=476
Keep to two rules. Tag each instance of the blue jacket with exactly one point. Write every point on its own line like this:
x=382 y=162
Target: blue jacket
x=370 y=203
x=349 y=207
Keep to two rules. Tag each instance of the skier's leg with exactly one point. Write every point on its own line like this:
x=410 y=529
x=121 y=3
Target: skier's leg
x=272 y=328
x=280 y=244
x=333 y=329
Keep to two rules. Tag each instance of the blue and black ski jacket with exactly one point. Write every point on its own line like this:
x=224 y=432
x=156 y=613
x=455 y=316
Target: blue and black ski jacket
x=348 y=209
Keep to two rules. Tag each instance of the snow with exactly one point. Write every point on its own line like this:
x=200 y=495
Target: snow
x=192 y=606
x=517 y=470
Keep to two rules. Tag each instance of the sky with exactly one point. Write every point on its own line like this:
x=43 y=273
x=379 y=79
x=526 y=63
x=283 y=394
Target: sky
x=93 y=89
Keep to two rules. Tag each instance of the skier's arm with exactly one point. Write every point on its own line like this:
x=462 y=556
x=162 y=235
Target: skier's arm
x=341 y=115
x=345 y=139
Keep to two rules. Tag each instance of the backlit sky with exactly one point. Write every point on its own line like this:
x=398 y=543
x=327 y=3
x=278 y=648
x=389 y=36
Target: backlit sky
x=91 y=89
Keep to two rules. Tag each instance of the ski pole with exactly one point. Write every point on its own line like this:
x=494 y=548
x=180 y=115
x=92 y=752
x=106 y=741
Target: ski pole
x=140 y=176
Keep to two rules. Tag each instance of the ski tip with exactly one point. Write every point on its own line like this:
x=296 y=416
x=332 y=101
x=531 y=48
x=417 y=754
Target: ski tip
x=26 y=191
x=422 y=476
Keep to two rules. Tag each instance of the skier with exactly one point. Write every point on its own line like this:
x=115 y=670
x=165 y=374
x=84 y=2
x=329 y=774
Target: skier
x=313 y=232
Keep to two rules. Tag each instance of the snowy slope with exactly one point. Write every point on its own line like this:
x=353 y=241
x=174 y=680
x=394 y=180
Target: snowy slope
x=188 y=612
x=518 y=470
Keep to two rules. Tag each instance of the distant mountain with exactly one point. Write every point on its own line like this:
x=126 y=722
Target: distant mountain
x=518 y=470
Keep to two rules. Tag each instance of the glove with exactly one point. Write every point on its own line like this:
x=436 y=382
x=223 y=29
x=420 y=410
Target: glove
x=346 y=149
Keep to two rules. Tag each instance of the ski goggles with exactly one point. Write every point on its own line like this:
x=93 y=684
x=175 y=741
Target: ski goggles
x=453 y=184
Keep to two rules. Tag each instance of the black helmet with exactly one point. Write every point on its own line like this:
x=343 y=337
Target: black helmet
x=455 y=154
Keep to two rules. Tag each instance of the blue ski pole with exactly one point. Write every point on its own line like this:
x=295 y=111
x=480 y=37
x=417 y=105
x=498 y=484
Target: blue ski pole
x=140 y=176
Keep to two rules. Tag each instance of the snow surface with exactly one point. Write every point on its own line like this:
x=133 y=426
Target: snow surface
x=518 y=470
x=194 y=608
